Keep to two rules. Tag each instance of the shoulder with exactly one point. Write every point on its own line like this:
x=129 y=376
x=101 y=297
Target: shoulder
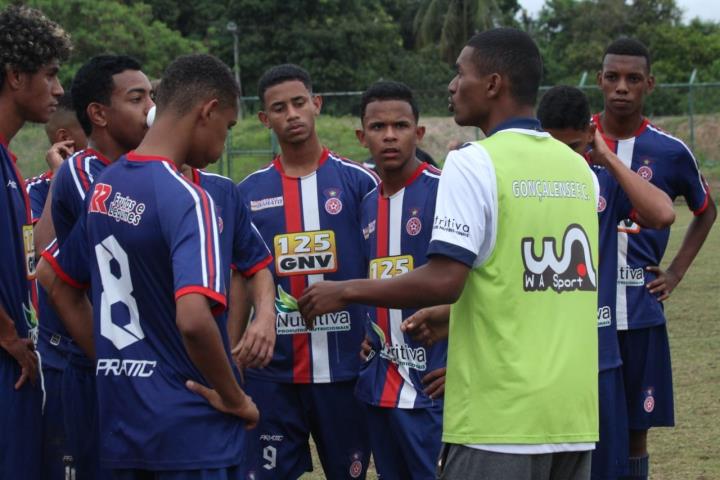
x=666 y=144
x=352 y=168
x=257 y=176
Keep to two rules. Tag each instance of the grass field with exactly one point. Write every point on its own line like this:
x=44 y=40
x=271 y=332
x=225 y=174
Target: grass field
x=691 y=450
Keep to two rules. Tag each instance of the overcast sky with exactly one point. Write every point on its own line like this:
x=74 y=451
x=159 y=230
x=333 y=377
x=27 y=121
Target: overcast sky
x=705 y=9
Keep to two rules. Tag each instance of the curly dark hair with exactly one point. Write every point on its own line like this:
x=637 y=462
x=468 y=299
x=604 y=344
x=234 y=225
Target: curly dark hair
x=29 y=40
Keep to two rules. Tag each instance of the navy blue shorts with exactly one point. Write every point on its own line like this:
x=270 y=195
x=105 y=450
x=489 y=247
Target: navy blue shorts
x=405 y=443
x=70 y=445
x=228 y=473
x=648 y=377
x=289 y=413
x=610 y=457
x=20 y=423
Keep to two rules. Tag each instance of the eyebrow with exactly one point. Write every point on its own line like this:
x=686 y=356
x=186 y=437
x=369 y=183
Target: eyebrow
x=137 y=90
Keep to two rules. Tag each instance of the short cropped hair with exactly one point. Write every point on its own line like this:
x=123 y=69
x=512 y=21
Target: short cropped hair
x=29 y=40
x=630 y=47
x=62 y=117
x=193 y=78
x=280 y=74
x=93 y=83
x=564 y=107
x=387 y=90
x=512 y=53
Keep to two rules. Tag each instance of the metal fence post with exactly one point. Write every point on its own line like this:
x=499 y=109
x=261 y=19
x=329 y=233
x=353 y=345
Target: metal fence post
x=691 y=122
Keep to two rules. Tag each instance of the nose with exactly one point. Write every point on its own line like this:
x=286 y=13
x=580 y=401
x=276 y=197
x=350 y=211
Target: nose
x=57 y=89
x=452 y=86
x=622 y=86
x=292 y=112
x=390 y=135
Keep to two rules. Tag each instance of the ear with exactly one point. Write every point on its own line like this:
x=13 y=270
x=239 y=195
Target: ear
x=598 y=78
x=62 y=135
x=590 y=133
x=262 y=116
x=13 y=78
x=495 y=85
x=317 y=103
x=420 y=132
x=208 y=109
x=360 y=134
x=651 y=83
x=96 y=113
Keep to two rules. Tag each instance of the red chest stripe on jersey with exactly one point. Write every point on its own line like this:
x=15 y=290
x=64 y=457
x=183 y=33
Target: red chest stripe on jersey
x=293 y=223
x=393 y=380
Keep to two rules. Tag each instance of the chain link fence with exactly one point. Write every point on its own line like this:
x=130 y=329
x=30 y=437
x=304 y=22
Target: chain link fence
x=689 y=110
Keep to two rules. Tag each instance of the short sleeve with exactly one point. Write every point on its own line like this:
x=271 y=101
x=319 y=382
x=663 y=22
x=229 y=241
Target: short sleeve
x=37 y=192
x=67 y=200
x=250 y=253
x=464 y=227
x=690 y=182
x=71 y=263
x=191 y=231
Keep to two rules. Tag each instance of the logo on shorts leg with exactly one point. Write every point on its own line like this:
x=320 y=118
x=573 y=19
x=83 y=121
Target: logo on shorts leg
x=356 y=467
x=649 y=402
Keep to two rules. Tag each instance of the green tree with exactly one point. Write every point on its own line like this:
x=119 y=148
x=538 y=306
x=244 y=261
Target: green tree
x=106 y=26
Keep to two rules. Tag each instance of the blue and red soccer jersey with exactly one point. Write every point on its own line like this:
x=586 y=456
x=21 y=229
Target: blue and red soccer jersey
x=37 y=189
x=151 y=237
x=312 y=225
x=72 y=182
x=613 y=206
x=668 y=163
x=397 y=232
x=242 y=247
x=18 y=294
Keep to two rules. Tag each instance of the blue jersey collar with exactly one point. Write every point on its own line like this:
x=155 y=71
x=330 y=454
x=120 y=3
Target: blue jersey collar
x=525 y=123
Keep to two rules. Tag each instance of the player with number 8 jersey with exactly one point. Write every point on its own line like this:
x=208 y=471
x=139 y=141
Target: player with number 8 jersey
x=169 y=399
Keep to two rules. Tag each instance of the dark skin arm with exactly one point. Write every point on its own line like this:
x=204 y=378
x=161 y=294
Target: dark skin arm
x=440 y=281
x=695 y=236
x=653 y=207
x=203 y=343
x=238 y=307
x=72 y=305
x=255 y=348
x=21 y=349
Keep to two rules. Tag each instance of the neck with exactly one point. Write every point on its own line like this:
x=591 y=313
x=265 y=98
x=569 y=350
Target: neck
x=620 y=127
x=11 y=121
x=187 y=172
x=103 y=143
x=394 y=181
x=300 y=159
x=169 y=138
x=506 y=112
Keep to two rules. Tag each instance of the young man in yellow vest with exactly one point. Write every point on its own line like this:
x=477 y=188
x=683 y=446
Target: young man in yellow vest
x=514 y=247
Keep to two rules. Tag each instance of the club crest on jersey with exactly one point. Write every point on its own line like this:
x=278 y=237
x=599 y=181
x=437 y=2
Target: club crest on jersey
x=414 y=225
x=645 y=171
x=602 y=204
x=356 y=466
x=333 y=204
x=649 y=401
x=572 y=270
x=288 y=320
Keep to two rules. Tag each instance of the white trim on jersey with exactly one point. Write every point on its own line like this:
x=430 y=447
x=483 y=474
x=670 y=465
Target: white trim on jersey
x=697 y=165
x=407 y=391
x=354 y=165
x=73 y=173
x=34 y=181
x=201 y=227
x=525 y=131
x=311 y=221
x=216 y=242
x=430 y=174
x=91 y=180
x=625 y=150
x=269 y=167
